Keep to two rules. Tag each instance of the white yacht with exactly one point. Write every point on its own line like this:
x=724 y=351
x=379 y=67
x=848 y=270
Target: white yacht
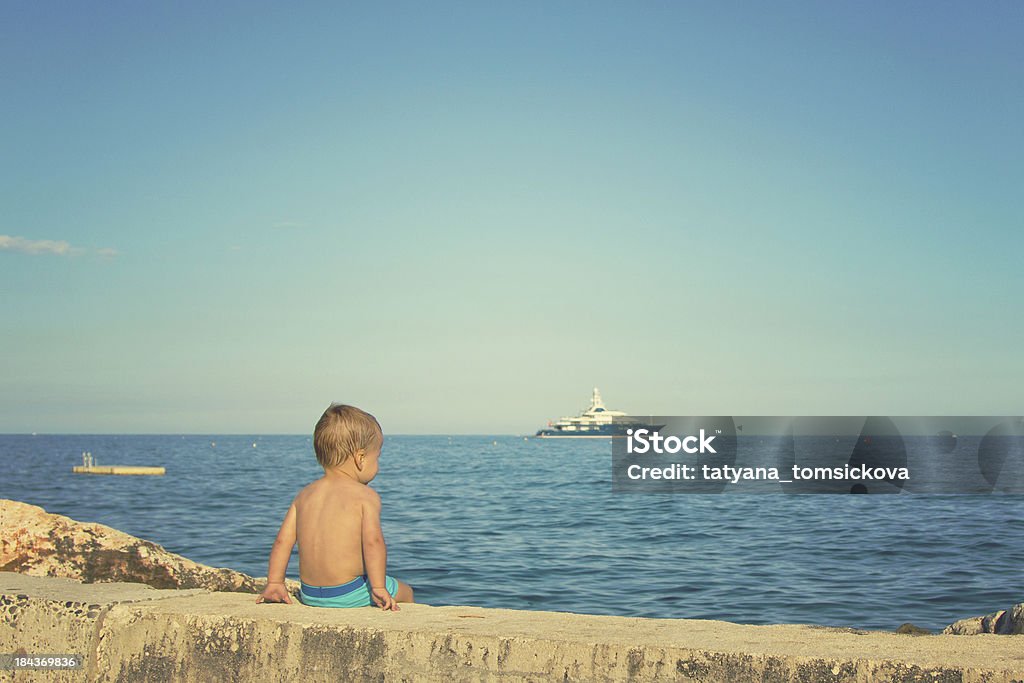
x=594 y=422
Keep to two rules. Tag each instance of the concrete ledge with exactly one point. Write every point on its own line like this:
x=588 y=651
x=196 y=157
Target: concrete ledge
x=128 y=632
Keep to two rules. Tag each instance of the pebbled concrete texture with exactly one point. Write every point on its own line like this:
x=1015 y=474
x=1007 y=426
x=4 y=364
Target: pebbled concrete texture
x=129 y=632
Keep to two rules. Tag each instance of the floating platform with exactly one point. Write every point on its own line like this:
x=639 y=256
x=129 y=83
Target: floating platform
x=117 y=469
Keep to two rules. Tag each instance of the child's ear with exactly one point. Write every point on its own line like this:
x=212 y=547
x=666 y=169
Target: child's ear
x=360 y=458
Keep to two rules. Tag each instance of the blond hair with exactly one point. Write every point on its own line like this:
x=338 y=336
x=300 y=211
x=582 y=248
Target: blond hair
x=341 y=432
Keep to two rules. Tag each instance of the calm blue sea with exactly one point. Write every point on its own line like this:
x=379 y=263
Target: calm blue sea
x=531 y=524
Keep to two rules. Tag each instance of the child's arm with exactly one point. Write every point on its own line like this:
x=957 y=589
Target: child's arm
x=276 y=591
x=375 y=552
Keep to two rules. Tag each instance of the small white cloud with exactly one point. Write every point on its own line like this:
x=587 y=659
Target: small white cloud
x=22 y=245
x=25 y=246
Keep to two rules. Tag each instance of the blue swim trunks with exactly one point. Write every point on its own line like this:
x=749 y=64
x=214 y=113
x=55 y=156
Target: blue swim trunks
x=355 y=593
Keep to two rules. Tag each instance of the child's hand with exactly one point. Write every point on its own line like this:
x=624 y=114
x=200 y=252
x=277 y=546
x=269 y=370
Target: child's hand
x=384 y=599
x=275 y=592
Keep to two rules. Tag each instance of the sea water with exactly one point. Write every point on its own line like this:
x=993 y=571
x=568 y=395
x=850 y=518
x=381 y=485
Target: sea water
x=500 y=521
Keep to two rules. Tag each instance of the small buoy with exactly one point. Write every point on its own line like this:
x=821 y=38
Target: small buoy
x=213 y=444
x=254 y=444
x=494 y=443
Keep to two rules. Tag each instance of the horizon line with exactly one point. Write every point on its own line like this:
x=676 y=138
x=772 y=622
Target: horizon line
x=245 y=434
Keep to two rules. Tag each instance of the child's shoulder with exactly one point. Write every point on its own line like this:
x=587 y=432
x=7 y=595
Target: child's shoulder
x=361 y=492
x=325 y=486
x=310 y=490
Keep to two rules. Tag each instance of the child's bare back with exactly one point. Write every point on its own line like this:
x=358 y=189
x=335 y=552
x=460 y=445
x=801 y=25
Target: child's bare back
x=336 y=522
x=328 y=524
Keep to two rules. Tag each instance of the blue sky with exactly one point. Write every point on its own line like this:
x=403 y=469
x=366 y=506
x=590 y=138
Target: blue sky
x=462 y=216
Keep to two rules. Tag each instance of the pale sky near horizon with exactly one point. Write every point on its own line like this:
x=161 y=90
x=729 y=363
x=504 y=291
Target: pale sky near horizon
x=220 y=217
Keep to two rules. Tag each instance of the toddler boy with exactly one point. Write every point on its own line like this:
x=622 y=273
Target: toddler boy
x=336 y=521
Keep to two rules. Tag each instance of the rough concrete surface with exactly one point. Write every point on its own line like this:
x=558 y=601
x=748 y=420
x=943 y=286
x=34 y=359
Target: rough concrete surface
x=129 y=632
